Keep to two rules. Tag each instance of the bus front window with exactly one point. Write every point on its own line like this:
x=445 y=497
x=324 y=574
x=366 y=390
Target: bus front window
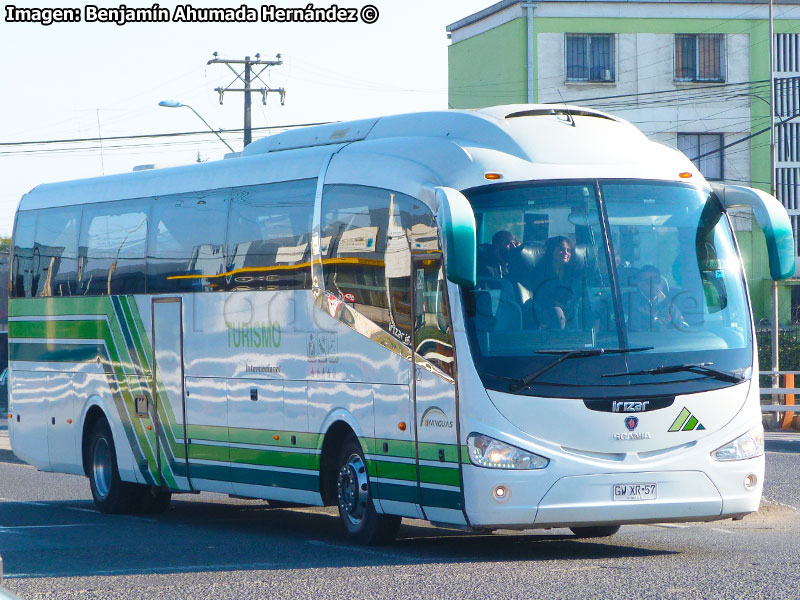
x=611 y=265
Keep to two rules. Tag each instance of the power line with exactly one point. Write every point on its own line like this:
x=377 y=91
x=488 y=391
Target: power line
x=153 y=135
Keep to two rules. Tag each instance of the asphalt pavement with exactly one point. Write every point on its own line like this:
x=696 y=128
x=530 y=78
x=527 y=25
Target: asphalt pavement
x=208 y=546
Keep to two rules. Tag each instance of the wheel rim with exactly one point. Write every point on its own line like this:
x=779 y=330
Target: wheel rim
x=353 y=489
x=101 y=467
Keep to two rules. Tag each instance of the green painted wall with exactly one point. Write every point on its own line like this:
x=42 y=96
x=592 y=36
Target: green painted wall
x=489 y=69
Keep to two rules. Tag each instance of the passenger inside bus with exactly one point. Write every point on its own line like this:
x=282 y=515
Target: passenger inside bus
x=557 y=285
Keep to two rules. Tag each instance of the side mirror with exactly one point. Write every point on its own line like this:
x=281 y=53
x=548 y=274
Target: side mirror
x=773 y=220
x=458 y=232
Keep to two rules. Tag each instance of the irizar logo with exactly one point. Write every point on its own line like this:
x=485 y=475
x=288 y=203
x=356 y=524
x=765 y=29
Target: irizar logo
x=435 y=417
x=628 y=406
x=686 y=421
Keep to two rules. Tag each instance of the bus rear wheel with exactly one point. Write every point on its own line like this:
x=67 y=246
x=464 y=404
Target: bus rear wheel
x=357 y=513
x=597 y=531
x=110 y=493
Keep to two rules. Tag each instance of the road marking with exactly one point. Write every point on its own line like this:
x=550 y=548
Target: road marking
x=97 y=512
x=11 y=527
x=146 y=571
x=361 y=550
x=24 y=502
x=721 y=530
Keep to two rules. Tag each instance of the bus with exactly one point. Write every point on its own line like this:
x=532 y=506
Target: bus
x=517 y=317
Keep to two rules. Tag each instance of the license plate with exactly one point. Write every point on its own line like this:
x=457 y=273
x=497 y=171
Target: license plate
x=635 y=491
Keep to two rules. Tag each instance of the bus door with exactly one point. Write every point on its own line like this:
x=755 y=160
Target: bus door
x=168 y=404
x=435 y=405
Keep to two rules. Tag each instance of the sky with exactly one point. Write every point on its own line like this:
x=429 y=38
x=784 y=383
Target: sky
x=88 y=80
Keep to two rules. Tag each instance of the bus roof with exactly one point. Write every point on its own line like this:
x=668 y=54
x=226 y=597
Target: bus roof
x=552 y=140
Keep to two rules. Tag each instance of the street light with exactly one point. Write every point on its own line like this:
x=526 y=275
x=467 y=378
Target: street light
x=176 y=104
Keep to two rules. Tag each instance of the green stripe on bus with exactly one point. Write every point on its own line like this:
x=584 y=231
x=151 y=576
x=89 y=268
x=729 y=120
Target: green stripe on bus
x=392 y=470
x=266 y=437
x=263 y=437
x=441 y=498
x=251 y=456
x=54 y=352
x=397 y=492
x=430 y=497
x=275 y=458
x=215 y=453
x=396 y=448
x=296 y=481
x=430 y=451
x=408 y=472
x=440 y=475
x=43 y=307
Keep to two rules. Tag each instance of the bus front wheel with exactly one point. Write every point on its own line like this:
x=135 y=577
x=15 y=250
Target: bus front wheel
x=358 y=515
x=597 y=531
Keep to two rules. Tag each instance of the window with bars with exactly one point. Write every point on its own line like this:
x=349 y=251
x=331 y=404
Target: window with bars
x=698 y=146
x=590 y=57
x=700 y=57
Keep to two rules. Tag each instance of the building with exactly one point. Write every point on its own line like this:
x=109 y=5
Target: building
x=694 y=75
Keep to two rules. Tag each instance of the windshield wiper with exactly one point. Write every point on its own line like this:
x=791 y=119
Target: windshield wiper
x=698 y=368
x=521 y=384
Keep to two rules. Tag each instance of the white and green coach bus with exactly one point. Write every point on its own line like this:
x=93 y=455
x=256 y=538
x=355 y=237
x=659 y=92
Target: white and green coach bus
x=516 y=317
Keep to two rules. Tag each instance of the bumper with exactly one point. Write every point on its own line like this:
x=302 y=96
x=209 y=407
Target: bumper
x=541 y=499
x=589 y=499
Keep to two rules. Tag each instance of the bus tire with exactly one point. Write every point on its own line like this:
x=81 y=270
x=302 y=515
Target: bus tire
x=110 y=493
x=154 y=500
x=361 y=521
x=597 y=531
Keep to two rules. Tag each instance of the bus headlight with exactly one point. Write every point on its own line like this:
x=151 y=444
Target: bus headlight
x=485 y=451
x=749 y=445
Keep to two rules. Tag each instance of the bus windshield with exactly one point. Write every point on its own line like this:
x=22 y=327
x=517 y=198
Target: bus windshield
x=647 y=271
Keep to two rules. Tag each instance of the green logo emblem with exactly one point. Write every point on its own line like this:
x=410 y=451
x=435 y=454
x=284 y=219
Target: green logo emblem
x=686 y=421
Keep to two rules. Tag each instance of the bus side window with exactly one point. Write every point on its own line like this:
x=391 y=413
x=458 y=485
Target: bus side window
x=186 y=240
x=56 y=251
x=268 y=236
x=432 y=329
x=433 y=335
x=366 y=257
x=22 y=281
x=112 y=248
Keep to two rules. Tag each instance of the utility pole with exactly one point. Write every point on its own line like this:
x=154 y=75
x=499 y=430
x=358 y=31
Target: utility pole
x=772 y=160
x=247 y=77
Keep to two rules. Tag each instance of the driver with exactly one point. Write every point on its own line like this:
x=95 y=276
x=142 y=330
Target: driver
x=496 y=257
x=651 y=308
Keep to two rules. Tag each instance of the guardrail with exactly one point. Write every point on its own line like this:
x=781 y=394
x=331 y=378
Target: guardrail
x=784 y=399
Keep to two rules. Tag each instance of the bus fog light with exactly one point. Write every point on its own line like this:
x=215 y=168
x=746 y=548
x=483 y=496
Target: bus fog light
x=485 y=451
x=501 y=493
x=750 y=481
x=749 y=445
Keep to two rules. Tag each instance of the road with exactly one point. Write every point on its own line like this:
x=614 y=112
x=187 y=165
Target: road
x=55 y=546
